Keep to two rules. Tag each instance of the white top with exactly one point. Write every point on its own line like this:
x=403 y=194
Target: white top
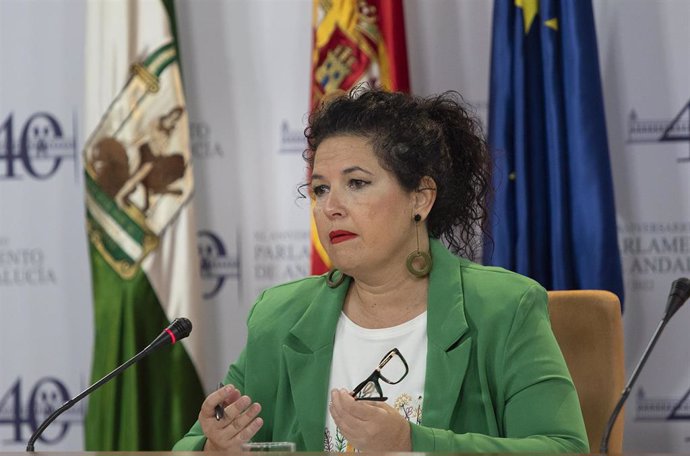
x=357 y=353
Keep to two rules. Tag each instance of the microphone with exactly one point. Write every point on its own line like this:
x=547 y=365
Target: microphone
x=177 y=330
x=680 y=292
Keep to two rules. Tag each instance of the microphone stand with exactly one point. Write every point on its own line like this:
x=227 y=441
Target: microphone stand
x=604 y=446
x=69 y=404
x=680 y=292
x=178 y=329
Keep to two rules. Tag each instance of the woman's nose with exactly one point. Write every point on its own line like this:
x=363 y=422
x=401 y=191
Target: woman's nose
x=333 y=206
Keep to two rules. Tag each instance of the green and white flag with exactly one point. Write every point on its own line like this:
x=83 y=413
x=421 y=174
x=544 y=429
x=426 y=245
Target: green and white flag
x=140 y=220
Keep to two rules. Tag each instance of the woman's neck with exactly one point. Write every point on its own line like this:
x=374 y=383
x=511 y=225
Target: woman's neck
x=393 y=301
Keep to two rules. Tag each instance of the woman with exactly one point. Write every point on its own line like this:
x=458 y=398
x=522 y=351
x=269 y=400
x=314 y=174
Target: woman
x=470 y=362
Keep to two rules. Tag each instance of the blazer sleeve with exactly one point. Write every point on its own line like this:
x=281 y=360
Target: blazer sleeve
x=540 y=411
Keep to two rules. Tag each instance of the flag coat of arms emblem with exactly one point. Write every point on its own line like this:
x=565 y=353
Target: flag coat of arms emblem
x=137 y=172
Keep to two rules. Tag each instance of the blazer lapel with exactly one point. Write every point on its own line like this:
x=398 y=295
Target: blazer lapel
x=449 y=344
x=308 y=359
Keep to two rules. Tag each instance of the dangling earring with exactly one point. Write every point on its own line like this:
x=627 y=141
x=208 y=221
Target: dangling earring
x=418 y=256
x=332 y=281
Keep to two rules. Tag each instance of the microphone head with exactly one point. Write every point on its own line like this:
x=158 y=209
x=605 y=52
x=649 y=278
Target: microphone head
x=680 y=292
x=180 y=327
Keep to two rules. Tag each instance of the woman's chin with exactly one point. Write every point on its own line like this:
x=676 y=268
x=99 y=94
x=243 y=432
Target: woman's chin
x=346 y=266
x=345 y=269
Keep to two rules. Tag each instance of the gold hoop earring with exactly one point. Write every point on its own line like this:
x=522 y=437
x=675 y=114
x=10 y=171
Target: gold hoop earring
x=418 y=256
x=334 y=282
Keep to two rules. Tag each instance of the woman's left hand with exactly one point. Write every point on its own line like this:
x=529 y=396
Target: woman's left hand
x=369 y=425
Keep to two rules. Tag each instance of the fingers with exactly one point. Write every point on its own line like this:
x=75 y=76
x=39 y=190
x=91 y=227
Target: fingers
x=249 y=430
x=224 y=396
x=239 y=414
x=239 y=423
x=347 y=414
x=344 y=404
x=369 y=425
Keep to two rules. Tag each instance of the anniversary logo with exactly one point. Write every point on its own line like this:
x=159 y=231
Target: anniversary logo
x=217 y=264
x=40 y=148
x=662 y=408
x=292 y=140
x=24 y=406
x=661 y=131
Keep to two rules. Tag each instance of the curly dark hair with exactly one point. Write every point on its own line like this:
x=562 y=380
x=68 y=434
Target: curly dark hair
x=415 y=137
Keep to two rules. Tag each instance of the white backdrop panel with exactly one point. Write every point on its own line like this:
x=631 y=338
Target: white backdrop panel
x=645 y=73
x=45 y=304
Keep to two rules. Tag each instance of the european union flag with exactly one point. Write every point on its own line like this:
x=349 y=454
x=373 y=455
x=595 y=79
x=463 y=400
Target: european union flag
x=553 y=216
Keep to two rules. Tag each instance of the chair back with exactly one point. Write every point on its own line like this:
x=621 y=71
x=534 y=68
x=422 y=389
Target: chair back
x=587 y=325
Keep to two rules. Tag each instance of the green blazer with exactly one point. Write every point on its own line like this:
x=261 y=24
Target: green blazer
x=495 y=381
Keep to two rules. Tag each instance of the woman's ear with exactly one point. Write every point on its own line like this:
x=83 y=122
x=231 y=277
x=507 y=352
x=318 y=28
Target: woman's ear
x=425 y=196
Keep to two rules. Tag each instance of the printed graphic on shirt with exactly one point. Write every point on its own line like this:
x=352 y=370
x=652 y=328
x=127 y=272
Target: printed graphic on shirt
x=408 y=406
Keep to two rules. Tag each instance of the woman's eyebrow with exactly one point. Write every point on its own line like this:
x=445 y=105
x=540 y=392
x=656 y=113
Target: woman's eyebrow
x=356 y=168
x=349 y=170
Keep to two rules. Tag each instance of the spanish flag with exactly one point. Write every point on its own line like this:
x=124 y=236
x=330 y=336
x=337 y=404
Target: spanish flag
x=355 y=41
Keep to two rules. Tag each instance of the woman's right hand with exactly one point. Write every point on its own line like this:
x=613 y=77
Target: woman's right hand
x=238 y=425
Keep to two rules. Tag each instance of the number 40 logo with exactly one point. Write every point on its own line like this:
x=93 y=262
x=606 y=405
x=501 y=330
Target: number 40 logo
x=25 y=414
x=39 y=150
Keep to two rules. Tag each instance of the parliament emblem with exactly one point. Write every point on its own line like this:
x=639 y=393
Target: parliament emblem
x=661 y=130
x=662 y=408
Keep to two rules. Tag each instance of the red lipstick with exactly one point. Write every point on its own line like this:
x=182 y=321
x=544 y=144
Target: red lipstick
x=338 y=236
